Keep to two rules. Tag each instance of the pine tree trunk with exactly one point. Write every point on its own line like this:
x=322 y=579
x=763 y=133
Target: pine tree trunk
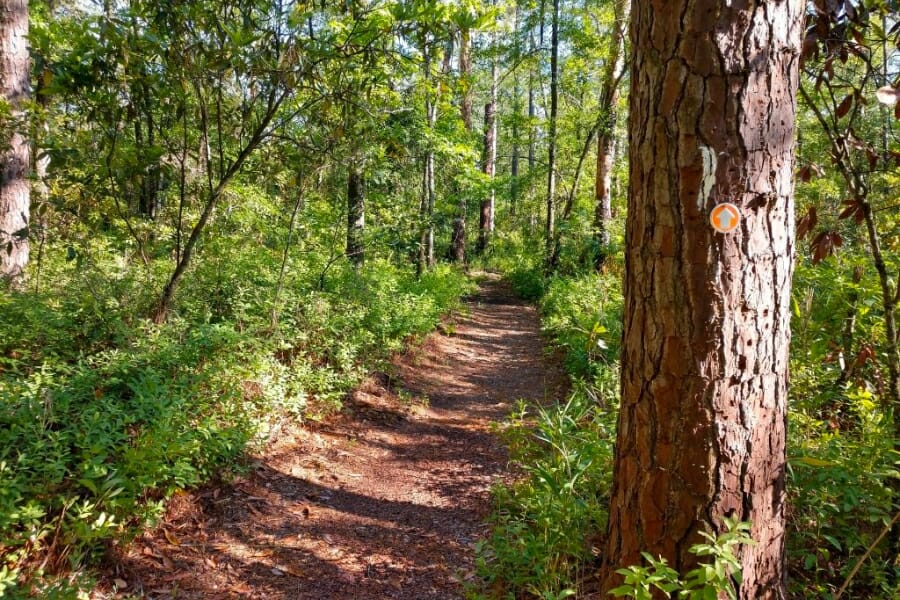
x=517 y=111
x=701 y=431
x=532 y=111
x=356 y=216
x=609 y=98
x=551 y=151
x=15 y=158
x=489 y=159
x=458 y=241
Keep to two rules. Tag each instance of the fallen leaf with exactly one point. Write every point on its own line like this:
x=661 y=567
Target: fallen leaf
x=171 y=537
x=120 y=583
x=290 y=570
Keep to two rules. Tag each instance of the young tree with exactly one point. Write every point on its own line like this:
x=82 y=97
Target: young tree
x=701 y=432
x=15 y=156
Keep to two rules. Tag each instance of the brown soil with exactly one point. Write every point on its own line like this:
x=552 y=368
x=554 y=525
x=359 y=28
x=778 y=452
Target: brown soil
x=385 y=500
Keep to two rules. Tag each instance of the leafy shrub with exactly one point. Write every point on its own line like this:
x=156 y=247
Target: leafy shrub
x=583 y=315
x=540 y=524
x=708 y=581
x=103 y=415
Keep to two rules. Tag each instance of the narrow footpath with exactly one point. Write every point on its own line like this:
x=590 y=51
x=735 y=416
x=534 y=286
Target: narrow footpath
x=385 y=500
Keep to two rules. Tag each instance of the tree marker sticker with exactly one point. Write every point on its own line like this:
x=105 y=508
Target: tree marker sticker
x=725 y=217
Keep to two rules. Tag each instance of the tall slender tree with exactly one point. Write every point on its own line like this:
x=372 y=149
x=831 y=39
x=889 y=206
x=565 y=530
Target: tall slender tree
x=701 y=432
x=356 y=215
x=489 y=153
x=551 y=148
x=426 y=208
x=15 y=155
x=606 y=154
x=517 y=111
x=458 y=242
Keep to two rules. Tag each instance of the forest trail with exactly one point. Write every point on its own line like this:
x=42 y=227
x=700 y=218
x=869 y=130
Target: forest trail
x=385 y=500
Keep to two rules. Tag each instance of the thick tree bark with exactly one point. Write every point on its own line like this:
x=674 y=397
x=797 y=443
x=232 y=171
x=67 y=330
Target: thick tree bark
x=609 y=98
x=701 y=430
x=551 y=150
x=356 y=216
x=15 y=156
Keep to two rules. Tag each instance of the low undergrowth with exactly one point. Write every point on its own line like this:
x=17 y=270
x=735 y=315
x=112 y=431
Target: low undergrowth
x=841 y=460
x=543 y=526
x=540 y=537
x=104 y=415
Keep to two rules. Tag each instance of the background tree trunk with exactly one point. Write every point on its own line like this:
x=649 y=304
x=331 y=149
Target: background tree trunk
x=532 y=110
x=517 y=113
x=606 y=134
x=426 y=212
x=356 y=216
x=489 y=161
x=701 y=430
x=489 y=157
x=551 y=149
x=458 y=241
x=15 y=158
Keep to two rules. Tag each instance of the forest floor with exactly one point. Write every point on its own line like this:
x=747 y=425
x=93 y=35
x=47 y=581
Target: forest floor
x=383 y=500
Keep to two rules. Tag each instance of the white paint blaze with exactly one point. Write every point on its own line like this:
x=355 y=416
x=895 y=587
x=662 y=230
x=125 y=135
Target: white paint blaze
x=709 y=176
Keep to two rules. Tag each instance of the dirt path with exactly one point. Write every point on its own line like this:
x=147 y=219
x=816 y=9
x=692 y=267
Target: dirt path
x=384 y=501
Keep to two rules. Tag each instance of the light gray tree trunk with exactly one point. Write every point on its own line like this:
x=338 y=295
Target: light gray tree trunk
x=15 y=154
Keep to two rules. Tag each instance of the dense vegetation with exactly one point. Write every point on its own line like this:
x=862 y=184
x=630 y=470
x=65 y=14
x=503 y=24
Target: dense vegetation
x=238 y=208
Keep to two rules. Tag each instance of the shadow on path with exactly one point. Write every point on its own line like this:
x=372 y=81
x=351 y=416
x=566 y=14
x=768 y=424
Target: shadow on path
x=384 y=501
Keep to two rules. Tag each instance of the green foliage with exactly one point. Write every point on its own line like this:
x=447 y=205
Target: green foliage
x=104 y=414
x=513 y=254
x=840 y=446
x=583 y=315
x=540 y=524
x=708 y=581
